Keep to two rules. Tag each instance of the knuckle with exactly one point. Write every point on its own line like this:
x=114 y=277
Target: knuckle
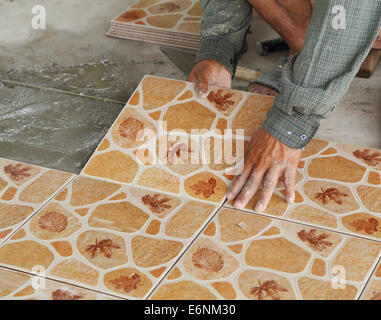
x=249 y=184
x=263 y=163
x=269 y=183
x=246 y=191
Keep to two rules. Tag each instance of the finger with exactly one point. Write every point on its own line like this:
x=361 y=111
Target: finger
x=202 y=85
x=240 y=179
x=269 y=183
x=289 y=182
x=273 y=93
x=202 y=88
x=250 y=188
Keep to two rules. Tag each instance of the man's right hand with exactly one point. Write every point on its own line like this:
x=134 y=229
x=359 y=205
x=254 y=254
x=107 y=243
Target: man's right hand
x=209 y=72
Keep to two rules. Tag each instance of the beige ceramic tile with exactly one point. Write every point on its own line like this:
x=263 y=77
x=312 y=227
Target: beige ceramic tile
x=373 y=288
x=107 y=237
x=242 y=255
x=137 y=150
x=181 y=16
x=15 y=285
x=25 y=188
x=338 y=188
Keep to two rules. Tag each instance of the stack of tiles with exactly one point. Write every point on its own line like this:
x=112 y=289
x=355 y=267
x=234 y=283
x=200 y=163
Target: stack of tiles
x=147 y=217
x=172 y=23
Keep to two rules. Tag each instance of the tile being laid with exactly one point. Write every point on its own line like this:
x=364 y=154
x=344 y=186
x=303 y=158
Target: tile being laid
x=241 y=255
x=107 y=237
x=338 y=187
x=15 y=285
x=168 y=139
x=373 y=288
x=25 y=188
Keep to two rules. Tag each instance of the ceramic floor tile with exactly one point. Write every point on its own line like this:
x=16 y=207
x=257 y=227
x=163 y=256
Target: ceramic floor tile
x=108 y=237
x=338 y=187
x=15 y=285
x=241 y=255
x=373 y=288
x=168 y=139
x=183 y=16
x=25 y=188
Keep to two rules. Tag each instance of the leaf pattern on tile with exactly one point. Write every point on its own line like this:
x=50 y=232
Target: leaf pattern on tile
x=169 y=7
x=104 y=247
x=315 y=240
x=205 y=188
x=178 y=154
x=372 y=159
x=220 y=100
x=127 y=283
x=61 y=294
x=369 y=226
x=157 y=204
x=329 y=194
x=268 y=288
x=24 y=189
x=17 y=172
x=208 y=259
x=132 y=15
x=131 y=128
x=53 y=221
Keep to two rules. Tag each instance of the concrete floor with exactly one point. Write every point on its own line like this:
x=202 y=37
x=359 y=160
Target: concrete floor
x=73 y=54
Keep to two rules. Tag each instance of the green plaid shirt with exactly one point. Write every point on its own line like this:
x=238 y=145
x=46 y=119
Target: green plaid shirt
x=314 y=80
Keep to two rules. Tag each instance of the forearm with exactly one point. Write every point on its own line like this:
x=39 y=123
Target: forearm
x=223 y=31
x=316 y=79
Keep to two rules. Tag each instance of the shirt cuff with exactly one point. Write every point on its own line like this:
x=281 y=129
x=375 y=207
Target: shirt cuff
x=294 y=130
x=218 y=49
x=309 y=100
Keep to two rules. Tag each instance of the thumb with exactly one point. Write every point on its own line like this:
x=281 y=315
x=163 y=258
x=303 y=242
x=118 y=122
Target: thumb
x=202 y=88
x=204 y=79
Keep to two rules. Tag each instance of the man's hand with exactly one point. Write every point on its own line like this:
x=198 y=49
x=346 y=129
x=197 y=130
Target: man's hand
x=261 y=89
x=267 y=161
x=209 y=72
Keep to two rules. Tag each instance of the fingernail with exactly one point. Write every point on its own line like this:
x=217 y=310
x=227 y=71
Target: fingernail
x=291 y=198
x=202 y=93
x=229 y=196
x=258 y=207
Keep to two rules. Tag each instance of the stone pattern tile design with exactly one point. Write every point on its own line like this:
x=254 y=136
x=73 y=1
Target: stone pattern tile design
x=373 y=288
x=25 y=188
x=241 y=255
x=338 y=187
x=174 y=23
x=156 y=125
x=15 y=285
x=105 y=236
x=182 y=16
